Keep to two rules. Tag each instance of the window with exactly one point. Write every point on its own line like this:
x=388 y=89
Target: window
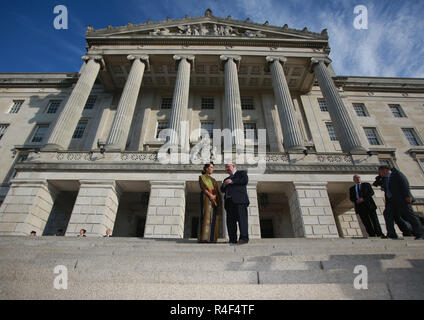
x=53 y=106
x=249 y=126
x=332 y=132
x=39 y=133
x=247 y=103
x=166 y=103
x=322 y=105
x=412 y=137
x=208 y=126
x=208 y=103
x=372 y=136
x=360 y=109
x=3 y=128
x=79 y=130
x=397 y=111
x=161 y=125
x=17 y=104
x=91 y=101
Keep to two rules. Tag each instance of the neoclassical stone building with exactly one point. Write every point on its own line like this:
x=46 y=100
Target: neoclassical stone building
x=79 y=150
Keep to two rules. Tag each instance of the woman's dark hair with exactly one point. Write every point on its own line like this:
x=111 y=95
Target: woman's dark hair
x=206 y=166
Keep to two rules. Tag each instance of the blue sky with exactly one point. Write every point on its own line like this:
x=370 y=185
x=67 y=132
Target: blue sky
x=393 y=45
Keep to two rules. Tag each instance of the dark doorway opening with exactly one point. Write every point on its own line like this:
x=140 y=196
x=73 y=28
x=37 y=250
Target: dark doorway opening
x=267 y=228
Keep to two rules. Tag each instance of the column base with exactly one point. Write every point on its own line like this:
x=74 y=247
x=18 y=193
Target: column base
x=114 y=148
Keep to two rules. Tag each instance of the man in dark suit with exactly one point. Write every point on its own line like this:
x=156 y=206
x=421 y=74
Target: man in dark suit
x=236 y=203
x=361 y=195
x=398 y=202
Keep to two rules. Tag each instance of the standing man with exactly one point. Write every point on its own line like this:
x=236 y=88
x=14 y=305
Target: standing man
x=398 y=202
x=236 y=203
x=361 y=195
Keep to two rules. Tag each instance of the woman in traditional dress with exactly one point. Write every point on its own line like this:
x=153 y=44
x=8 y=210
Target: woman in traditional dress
x=210 y=206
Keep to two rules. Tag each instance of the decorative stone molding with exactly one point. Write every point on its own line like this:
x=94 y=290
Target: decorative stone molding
x=332 y=158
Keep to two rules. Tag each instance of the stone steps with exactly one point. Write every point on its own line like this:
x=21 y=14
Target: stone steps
x=94 y=265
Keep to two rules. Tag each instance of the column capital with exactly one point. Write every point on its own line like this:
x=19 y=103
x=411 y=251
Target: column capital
x=271 y=59
x=189 y=58
x=315 y=61
x=97 y=58
x=225 y=58
x=142 y=57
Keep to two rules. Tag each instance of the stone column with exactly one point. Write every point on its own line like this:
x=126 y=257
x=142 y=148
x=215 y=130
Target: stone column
x=343 y=124
x=118 y=135
x=311 y=212
x=232 y=99
x=65 y=126
x=166 y=212
x=26 y=208
x=95 y=208
x=291 y=132
x=180 y=99
x=253 y=211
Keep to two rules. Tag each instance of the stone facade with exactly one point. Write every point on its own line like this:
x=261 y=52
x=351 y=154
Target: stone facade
x=79 y=149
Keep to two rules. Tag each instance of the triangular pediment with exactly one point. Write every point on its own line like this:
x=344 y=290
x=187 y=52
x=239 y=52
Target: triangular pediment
x=207 y=26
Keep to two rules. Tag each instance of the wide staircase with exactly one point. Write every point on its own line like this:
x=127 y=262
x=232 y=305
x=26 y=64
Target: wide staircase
x=133 y=268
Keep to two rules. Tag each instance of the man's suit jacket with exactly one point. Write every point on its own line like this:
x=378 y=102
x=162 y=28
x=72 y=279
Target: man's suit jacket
x=366 y=193
x=398 y=186
x=237 y=190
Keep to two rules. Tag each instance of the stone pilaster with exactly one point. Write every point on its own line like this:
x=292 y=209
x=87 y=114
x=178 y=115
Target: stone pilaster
x=232 y=102
x=291 y=132
x=343 y=124
x=180 y=99
x=95 y=208
x=310 y=210
x=253 y=211
x=166 y=212
x=65 y=126
x=26 y=208
x=123 y=118
x=348 y=222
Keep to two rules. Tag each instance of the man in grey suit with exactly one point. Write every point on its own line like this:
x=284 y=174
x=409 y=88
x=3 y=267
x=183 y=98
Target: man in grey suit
x=398 y=202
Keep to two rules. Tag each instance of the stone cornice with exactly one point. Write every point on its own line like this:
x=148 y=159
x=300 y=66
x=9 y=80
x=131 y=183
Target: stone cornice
x=38 y=80
x=380 y=84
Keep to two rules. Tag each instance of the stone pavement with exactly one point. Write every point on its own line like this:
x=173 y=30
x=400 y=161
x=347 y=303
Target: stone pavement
x=132 y=268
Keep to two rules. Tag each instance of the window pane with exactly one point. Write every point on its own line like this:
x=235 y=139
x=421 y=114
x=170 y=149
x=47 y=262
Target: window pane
x=17 y=104
x=39 y=134
x=372 y=136
x=3 y=128
x=208 y=103
x=332 y=132
x=250 y=126
x=411 y=136
x=360 y=109
x=79 y=131
x=397 y=111
x=161 y=125
x=90 y=102
x=166 y=103
x=53 y=106
x=322 y=104
x=247 y=103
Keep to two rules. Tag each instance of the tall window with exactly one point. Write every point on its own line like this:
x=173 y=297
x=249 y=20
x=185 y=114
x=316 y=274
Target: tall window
x=208 y=126
x=372 y=136
x=250 y=126
x=247 y=103
x=322 y=105
x=91 y=101
x=53 y=106
x=79 y=130
x=397 y=111
x=3 y=128
x=17 y=104
x=332 y=132
x=161 y=125
x=411 y=136
x=39 y=133
x=208 y=103
x=166 y=103
x=360 y=109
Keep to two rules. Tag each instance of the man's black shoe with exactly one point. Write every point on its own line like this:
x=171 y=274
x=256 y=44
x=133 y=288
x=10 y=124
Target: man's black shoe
x=383 y=236
x=241 y=241
x=419 y=237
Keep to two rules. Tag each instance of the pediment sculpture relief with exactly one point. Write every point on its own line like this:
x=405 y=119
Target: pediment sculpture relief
x=207 y=30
